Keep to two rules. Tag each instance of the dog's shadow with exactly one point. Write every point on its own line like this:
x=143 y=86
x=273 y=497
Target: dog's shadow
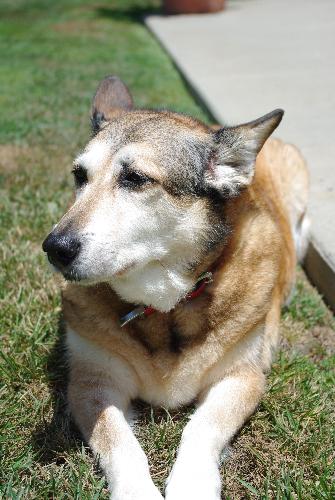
x=52 y=439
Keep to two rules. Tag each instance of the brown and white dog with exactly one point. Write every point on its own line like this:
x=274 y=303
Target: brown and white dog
x=161 y=199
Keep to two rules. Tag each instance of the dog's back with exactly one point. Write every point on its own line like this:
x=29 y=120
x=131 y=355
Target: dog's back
x=282 y=171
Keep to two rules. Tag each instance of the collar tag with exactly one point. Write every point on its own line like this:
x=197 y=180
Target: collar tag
x=135 y=313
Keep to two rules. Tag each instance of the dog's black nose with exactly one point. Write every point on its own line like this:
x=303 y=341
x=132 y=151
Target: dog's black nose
x=61 y=248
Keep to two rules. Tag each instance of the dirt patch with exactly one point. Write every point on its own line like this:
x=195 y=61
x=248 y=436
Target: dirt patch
x=316 y=343
x=76 y=27
x=12 y=156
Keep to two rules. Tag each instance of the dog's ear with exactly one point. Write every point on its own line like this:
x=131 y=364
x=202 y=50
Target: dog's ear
x=111 y=98
x=232 y=165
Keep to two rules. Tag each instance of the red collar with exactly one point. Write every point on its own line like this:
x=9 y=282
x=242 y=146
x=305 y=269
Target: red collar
x=144 y=311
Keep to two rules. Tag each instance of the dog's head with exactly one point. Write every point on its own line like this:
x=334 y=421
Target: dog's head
x=150 y=191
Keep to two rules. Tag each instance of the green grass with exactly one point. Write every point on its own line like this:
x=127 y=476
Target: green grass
x=52 y=56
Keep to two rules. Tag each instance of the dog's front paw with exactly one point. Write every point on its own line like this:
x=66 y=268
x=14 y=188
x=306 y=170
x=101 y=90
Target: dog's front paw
x=131 y=491
x=194 y=481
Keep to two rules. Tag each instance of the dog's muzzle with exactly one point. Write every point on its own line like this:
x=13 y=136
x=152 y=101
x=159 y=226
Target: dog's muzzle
x=62 y=249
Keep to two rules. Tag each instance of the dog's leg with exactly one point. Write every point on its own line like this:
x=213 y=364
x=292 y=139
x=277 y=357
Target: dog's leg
x=226 y=406
x=99 y=409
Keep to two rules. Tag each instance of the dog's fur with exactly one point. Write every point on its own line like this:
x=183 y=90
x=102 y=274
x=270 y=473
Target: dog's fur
x=167 y=198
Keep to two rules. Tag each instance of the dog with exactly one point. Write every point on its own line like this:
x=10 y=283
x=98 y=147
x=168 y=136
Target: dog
x=178 y=252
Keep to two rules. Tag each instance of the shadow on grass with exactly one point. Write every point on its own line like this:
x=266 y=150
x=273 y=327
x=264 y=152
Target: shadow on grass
x=52 y=439
x=128 y=12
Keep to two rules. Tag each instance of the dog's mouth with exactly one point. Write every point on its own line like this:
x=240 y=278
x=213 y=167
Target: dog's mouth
x=70 y=274
x=73 y=275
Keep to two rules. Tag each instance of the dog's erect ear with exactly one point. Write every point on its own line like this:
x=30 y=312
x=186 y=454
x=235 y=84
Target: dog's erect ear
x=232 y=166
x=111 y=98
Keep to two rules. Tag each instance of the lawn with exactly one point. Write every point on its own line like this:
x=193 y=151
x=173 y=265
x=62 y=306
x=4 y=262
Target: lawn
x=52 y=56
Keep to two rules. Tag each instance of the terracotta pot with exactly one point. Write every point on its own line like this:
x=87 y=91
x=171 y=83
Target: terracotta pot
x=192 y=6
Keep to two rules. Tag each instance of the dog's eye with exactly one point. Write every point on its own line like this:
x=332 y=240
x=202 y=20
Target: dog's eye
x=80 y=176
x=132 y=179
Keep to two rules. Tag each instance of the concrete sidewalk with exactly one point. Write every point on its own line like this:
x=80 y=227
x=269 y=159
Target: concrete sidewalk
x=258 y=55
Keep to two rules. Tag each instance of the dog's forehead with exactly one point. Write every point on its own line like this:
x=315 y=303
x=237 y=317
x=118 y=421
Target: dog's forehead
x=164 y=137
